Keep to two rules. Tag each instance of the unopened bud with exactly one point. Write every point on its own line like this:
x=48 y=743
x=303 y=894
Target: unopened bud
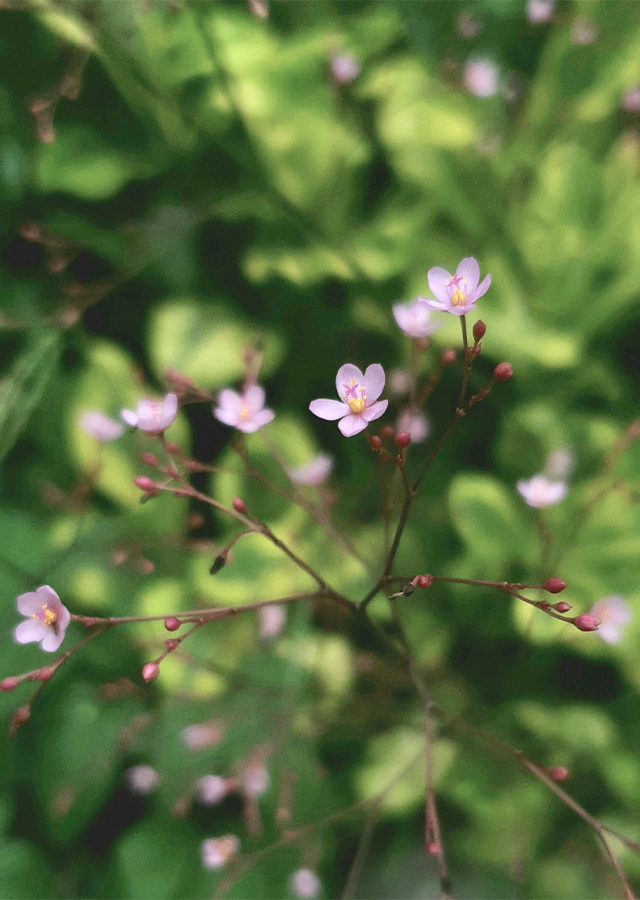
x=43 y=674
x=448 y=357
x=562 y=607
x=171 y=644
x=503 y=372
x=554 y=585
x=479 y=330
x=172 y=448
x=9 y=684
x=375 y=442
x=476 y=350
x=424 y=581
x=387 y=433
x=171 y=623
x=433 y=848
x=240 y=506
x=558 y=773
x=544 y=604
x=146 y=484
x=150 y=671
x=586 y=622
x=150 y=459
x=20 y=716
x=220 y=561
x=402 y=440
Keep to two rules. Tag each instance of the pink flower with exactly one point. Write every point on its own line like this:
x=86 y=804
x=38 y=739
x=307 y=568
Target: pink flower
x=481 y=77
x=153 y=416
x=255 y=781
x=305 y=884
x=245 y=411
x=459 y=293
x=100 y=426
x=612 y=613
x=359 y=393
x=142 y=780
x=415 y=424
x=539 y=492
x=345 y=68
x=314 y=472
x=216 y=852
x=540 y=11
x=47 y=618
x=413 y=319
x=272 y=619
x=212 y=789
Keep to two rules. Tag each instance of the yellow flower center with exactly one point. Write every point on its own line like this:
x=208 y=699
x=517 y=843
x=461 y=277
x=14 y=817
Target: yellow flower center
x=355 y=396
x=458 y=297
x=245 y=413
x=357 y=405
x=46 y=615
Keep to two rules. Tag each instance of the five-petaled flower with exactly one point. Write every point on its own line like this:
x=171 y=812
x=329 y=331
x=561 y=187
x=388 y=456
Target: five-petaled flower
x=359 y=395
x=153 y=416
x=314 y=472
x=539 y=492
x=245 y=411
x=415 y=319
x=613 y=613
x=459 y=293
x=46 y=618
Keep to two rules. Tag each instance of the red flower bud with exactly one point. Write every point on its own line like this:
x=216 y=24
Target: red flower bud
x=402 y=440
x=9 y=684
x=146 y=484
x=171 y=644
x=544 y=604
x=448 y=357
x=240 y=506
x=150 y=671
x=172 y=448
x=554 y=585
x=387 y=433
x=586 y=622
x=562 y=607
x=172 y=624
x=558 y=773
x=150 y=459
x=479 y=330
x=502 y=372
x=424 y=581
x=375 y=442
x=20 y=716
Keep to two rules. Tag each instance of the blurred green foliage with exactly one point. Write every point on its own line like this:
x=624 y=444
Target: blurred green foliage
x=181 y=180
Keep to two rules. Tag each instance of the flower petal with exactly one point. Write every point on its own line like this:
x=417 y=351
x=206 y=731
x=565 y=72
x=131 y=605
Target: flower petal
x=610 y=632
x=257 y=420
x=228 y=400
x=31 y=630
x=254 y=397
x=443 y=305
x=328 y=409
x=347 y=374
x=470 y=271
x=375 y=410
x=481 y=289
x=351 y=425
x=129 y=417
x=437 y=279
x=373 y=382
x=29 y=604
x=52 y=639
x=169 y=409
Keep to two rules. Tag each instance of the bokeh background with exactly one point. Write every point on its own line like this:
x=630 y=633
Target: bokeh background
x=180 y=180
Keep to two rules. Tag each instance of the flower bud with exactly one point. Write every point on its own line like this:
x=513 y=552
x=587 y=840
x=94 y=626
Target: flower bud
x=387 y=433
x=375 y=442
x=150 y=459
x=402 y=440
x=172 y=624
x=433 y=848
x=544 y=604
x=20 y=716
x=9 y=684
x=479 y=330
x=424 y=581
x=172 y=448
x=218 y=563
x=562 y=607
x=554 y=585
x=240 y=506
x=171 y=644
x=586 y=622
x=43 y=674
x=502 y=372
x=146 y=484
x=558 y=773
x=150 y=671
x=448 y=357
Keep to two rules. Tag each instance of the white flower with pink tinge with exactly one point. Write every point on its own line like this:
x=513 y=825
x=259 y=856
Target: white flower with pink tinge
x=314 y=472
x=47 y=618
x=415 y=424
x=153 y=416
x=305 y=884
x=540 y=11
x=360 y=393
x=459 y=293
x=245 y=411
x=101 y=426
x=216 y=852
x=415 y=319
x=539 y=492
x=613 y=613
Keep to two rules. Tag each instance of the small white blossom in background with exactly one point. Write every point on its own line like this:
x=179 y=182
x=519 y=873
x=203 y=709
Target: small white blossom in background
x=481 y=77
x=245 y=411
x=101 y=426
x=345 y=68
x=47 y=618
x=211 y=789
x=560 y=463
x=631 y=99
x=153 y=416
x=539 y=492
x=255 y=781
x=415 y=423
x=399 y=382
x=216 y=852
x=259 y=8
x=584 y=32
x=200 y=736
x=539 y=11
x=359 y=394
x=314 y=472
x=305 y=884
x=272 y=620
x=613 y=613
x=456 y=294
x=415 y=319
x=142 y=780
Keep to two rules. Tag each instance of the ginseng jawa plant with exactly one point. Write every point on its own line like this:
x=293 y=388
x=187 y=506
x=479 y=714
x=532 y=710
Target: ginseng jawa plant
x=402 y=467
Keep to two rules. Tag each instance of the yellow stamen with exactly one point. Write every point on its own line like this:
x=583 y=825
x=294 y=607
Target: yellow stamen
x=357 y=406
x=458 y=297
x=46 y=615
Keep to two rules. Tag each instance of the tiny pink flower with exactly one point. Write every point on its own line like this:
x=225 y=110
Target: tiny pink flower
x=345 y=68
x=245 y=411
x=539 y=11
x=481 y=77
x=142 y=780
x=272 y=620
x=459 y=293
x=631 y=99
x=255 y=781
x=314 y=472
x=613 y=613
x=305 y=884
x=153 y=416
x=216 y=852
x=200 y=736
x=100 y=426
x=539 y=492
x=47 y=618
x=414 y=319
x=415 y=424
x=211 y=789
x=399 y=382
x=360 y=393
